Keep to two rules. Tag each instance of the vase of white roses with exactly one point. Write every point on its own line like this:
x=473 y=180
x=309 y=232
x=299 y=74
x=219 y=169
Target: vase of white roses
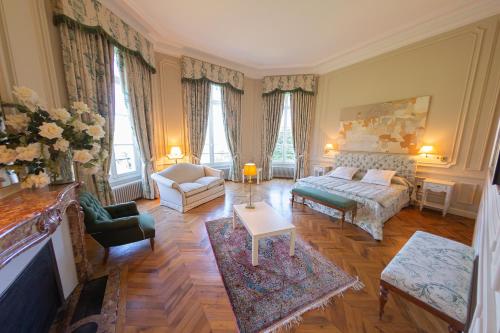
x=41 y=144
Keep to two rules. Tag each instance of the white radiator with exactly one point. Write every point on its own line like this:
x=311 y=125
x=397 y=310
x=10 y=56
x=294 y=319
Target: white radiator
x=283 y=171
x=128 y=192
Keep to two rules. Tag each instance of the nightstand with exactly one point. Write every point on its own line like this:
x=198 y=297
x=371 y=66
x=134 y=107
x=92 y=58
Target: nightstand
x=438 y=186
x=320 y=170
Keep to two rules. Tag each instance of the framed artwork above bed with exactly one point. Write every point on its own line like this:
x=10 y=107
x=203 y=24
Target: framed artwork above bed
x=390 y=127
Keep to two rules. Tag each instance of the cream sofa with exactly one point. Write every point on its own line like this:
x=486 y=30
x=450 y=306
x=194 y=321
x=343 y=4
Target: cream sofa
x=185 y=186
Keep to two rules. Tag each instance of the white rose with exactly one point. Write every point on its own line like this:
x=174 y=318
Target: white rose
x=80 y=125
x=26 y=96
x=18 y=121
x=37 y=181
x=96 y=148
x=95 y=131
x=59 y=114
x=98 y=119
x=80 y=107
x=91 y=170
x=82 y=156
x=7 y=155
x=50 y=130
x=61 y=145
x=29 y=153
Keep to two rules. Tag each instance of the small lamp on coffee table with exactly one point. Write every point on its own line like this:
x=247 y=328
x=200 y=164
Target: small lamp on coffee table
x=250 y=169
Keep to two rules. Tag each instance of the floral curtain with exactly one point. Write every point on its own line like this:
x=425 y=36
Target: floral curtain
x=88 y=68
x=231 y=109
x=302 y=106
x=194 y=69
x=137 y=92
x=93 y=17
x=196 y=105
x=273 y=108
x=289 y=83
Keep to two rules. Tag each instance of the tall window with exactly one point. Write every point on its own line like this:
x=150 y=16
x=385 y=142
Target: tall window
x=215 y=150
x=284 y=153
x=126 y=164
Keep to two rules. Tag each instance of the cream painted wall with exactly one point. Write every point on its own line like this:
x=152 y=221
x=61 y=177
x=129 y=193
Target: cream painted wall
x=30 y=53
x=169 y=129
x=460 y=70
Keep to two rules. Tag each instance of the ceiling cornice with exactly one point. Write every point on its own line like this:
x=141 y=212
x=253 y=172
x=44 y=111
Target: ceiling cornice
x=427 y=27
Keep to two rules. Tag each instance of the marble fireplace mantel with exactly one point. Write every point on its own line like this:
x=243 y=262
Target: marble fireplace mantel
x=29 y=216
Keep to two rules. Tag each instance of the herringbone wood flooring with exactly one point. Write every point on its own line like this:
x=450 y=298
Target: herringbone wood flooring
x=178 y=288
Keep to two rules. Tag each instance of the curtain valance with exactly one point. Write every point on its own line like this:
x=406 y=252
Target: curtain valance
x=289 y=83
x=92 y=16
x=194 y=69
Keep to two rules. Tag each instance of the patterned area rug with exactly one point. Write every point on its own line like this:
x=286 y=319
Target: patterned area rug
x=275 y=293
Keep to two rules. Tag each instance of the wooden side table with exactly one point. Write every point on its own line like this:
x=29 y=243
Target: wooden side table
x=320 y=170
x=438 y=186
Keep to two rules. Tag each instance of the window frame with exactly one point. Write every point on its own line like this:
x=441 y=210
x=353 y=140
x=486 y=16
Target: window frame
x=210 y=134
x=283 y=161
x=116 y=179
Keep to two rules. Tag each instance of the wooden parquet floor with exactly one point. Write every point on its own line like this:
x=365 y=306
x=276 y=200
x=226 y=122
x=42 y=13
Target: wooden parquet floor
x=178 y=288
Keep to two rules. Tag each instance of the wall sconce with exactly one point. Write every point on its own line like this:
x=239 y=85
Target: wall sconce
x=329 y=148
x=426 y=150
x=428 y=154
x=175 y=153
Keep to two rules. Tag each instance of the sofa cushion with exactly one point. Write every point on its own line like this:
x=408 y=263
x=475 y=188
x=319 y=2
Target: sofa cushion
x=209 y=181
x=183 y=172
x=435 y=270
x=190 y=189
x=202 y=195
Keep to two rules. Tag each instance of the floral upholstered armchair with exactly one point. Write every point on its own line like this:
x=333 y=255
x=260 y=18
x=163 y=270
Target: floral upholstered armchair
x=185 y=186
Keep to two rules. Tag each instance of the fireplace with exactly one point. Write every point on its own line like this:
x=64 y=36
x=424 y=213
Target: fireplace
x=30 y=303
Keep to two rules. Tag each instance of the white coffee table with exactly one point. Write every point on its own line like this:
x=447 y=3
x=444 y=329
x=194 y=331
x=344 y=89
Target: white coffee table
x=262 y=222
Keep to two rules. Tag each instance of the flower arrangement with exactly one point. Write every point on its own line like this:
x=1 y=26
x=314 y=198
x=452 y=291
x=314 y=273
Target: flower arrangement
x=35 y=141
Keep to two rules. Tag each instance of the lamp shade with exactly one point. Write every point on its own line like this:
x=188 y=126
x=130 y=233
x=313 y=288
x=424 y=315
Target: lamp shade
x=250 y=169
x=175 y=152
x=426 y=149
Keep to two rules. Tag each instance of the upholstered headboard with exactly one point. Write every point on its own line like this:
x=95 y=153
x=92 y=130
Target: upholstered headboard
x=404 y=165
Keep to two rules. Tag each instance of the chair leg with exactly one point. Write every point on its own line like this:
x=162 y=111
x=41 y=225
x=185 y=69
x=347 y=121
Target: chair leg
x=342 y=222
x=152 y=243
x=383 y=299
x=106 y=255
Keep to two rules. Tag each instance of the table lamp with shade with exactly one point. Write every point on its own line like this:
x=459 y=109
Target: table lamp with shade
x=175 y=153
x=250 y=169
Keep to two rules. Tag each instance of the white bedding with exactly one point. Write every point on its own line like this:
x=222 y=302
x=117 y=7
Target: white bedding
x=376 y=203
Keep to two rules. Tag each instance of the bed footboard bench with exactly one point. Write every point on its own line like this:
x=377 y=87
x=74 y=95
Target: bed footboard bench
x=344 y=205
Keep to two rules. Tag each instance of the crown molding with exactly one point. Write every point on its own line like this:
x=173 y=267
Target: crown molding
x=392 y=40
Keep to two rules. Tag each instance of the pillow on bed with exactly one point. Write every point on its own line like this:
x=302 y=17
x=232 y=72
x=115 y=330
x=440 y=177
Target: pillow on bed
x=380 y=177
x=344 y=172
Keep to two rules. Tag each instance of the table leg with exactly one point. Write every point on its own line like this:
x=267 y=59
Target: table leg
x=234 y=220
x=255 y=251
x=292 y=243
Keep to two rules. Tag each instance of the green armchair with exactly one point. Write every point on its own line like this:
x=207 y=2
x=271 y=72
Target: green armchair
x=116 y=225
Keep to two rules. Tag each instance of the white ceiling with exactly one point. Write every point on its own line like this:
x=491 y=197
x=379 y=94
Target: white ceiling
x=275 y=36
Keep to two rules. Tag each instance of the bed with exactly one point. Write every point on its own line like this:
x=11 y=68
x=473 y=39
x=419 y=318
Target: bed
x=376 y=203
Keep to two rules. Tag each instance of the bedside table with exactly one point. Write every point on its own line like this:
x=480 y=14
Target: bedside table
x=438 y=186
x=320 y=170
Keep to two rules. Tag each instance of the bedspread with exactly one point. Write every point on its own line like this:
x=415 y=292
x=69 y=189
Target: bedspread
x=376 y=203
